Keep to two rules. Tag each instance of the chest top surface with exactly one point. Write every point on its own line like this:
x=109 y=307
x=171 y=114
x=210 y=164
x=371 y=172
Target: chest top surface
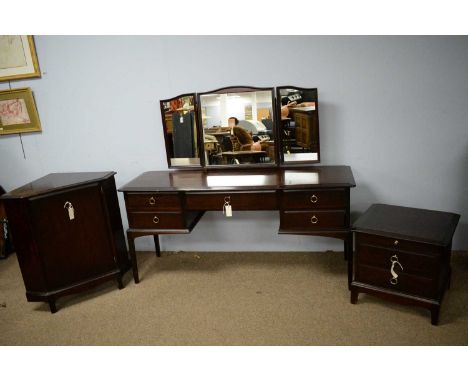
x=427 y=226
x=199 y=180
x=55 y=182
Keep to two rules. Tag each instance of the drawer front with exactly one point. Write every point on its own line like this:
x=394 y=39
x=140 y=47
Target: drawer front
x=414 y=264
x=239 y=201
x=314 y=199
x=410 y=284
x=397 y=244
x=153 y=201
x=312 y=220
x=151 y=220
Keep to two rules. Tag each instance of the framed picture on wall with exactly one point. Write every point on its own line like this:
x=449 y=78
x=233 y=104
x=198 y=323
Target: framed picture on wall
x=18 y=113
x=18 y=58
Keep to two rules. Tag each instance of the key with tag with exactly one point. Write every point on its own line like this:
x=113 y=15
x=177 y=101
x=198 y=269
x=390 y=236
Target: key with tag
x=71 y=210
x=227 y=208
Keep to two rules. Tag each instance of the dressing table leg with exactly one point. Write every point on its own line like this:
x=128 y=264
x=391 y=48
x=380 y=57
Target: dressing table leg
x=131 y=250
x=349 y=256
x=156 y=244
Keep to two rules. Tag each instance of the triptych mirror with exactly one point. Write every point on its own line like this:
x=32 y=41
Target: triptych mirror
x=242 y=126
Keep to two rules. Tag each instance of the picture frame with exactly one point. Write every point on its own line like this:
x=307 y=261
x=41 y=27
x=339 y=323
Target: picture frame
x=18 y=58
x=18 y=112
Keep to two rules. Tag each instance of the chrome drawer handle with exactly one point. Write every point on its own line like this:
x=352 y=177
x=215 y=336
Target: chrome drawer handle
x=314 y=219
x=152 y=201
x=394 y=260
x=313 y=199
x=155 y=220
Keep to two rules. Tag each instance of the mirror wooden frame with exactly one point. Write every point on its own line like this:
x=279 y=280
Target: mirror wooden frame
x=276 y=110
x=241 y=89
x=167 y=142
x=278 y=119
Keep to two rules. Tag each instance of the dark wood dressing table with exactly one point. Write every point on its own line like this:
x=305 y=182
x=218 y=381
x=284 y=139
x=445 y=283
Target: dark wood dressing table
x=311 y=200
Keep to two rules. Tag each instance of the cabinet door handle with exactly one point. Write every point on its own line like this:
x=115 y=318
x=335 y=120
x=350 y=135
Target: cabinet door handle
x=155 y=220
x=314 y=198
x=314 y=219
x=152 y=201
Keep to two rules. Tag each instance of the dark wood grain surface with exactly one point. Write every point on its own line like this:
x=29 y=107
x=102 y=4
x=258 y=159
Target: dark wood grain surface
x=426 y=226
x=56 y=182
x=243 y=179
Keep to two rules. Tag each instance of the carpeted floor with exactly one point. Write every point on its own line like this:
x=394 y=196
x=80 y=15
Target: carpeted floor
x=230 y=299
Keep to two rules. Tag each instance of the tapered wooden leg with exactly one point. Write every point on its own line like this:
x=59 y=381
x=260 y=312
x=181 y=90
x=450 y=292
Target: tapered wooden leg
x=131 y=250
x=119 y=282
x=349 y=256
x=435 y=310
x=156 y=244
x=52 y=306
x=354 y=296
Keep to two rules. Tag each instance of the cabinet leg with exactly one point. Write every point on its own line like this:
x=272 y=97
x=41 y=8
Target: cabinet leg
x=120 y=282
x=354 y=296
x=156 y=244
x=435 y=315
x=131 y=250
x=52 y=306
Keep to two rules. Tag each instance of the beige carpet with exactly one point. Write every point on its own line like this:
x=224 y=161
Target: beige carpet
x=230 y=299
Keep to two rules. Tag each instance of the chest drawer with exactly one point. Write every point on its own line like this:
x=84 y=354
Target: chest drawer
x=314 y=199
x=153 y=201
x=414 y=264
x=312 y=220
x=410 y=284
x=214 y=201
x=156 y=220
x=397 y=244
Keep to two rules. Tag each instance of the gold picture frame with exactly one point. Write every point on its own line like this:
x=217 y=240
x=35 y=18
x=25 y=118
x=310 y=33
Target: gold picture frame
x=18 y=58
x=18 y=112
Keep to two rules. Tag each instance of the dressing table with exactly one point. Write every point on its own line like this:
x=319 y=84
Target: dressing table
x=311 y=200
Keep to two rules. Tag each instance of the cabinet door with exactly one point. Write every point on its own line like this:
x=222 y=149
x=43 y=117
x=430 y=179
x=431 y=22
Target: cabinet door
x=72 y=250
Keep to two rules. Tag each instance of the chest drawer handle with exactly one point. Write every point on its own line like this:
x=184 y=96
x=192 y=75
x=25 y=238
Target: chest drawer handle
x=152 y=201
x=155 y=220
x=394 y=260
x=313 y=199
x=314 y=219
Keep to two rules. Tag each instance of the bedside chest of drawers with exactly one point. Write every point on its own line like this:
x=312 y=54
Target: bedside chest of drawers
x=403 y=254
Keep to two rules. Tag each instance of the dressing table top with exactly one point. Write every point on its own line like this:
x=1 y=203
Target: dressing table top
x=242 y=179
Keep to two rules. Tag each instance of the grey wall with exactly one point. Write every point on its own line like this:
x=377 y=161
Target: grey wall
x=393 y=108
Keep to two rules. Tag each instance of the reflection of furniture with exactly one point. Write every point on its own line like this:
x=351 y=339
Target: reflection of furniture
x=311 y=201
x=183 y=137
x=244 y=138
x=306 y=129
x=243 y=156
x=403 y=255
x=68 y=234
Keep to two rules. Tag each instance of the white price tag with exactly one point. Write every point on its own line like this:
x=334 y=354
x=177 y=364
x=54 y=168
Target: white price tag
x=228 y=211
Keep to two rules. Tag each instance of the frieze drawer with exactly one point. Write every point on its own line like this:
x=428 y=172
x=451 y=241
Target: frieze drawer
x=153 y=201
x=314 y=199
x=214 y=201
x=312 y=220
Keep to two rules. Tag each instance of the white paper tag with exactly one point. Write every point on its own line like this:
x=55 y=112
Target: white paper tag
x=71 y=213
x=181 y=119
x=228 y=211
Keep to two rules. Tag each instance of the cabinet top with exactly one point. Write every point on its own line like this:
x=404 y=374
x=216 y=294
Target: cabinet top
x=55 y=182
x=272 y=178
x=426 y=226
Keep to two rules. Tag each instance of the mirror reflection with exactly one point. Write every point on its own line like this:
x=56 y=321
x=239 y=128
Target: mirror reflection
x=299 y=124
x=238 y=127
x=180 y=131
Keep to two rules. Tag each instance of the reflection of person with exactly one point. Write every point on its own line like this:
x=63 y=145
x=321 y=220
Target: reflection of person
x=233 y=121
